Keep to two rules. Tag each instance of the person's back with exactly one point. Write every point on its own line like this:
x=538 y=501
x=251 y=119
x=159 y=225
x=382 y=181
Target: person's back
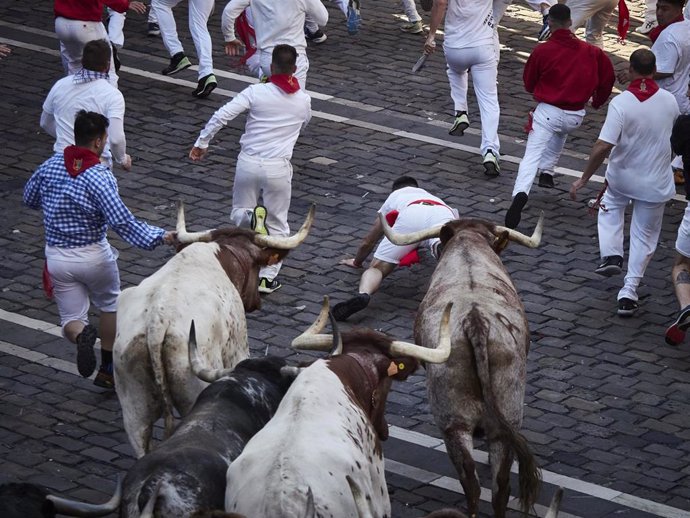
x=552 y=77
x=274 y=121
x=68 y=97
x=672 y=50
x=469 y=23
x=279 y=22
x=641 y=159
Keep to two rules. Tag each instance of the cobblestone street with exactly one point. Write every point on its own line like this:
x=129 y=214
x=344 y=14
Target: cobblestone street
x=607 y=406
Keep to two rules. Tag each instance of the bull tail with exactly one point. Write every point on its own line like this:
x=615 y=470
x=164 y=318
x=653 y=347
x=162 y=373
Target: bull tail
x=476 y=328
x=155 y=339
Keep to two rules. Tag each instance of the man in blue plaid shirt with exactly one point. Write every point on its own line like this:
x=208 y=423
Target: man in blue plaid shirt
x=79 y=199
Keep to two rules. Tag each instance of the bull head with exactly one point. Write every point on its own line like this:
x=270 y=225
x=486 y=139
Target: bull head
x=75 y=508
x=264 y=241
x=429 y=233
x=311 y=339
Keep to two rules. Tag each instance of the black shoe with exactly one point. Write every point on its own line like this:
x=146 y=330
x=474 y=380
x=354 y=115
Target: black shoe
x=177 y=63
x=675 y=334
x=266 y=286
x=86 y=357
x=514 y=213
x=206 y=85
x=343 y=310
x=104 y=378
x=546 y=180
x=317 y=37
x=612 y=265
x=153 y=29
x=627 y=307
x=116 y=60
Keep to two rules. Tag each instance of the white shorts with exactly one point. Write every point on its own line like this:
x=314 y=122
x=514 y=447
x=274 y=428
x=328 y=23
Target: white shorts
x=683 y=239
x=81 y=276
x=413 y=218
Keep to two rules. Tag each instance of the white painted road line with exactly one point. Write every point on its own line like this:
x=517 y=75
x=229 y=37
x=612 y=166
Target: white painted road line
x=396 y=432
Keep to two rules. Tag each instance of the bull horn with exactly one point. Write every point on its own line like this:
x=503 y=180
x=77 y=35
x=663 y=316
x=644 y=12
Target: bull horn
x=438 y=355
x=199 y=370
x=337 y=342
x=555 y=504
x=311 y=339
x=185 y=237
x=287 y=243
x=531 y=241
x=147 y=511
x=412 y=237
x=74 y=508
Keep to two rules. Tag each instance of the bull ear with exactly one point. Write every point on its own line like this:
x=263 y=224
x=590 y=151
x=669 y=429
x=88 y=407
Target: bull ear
x=446 y=234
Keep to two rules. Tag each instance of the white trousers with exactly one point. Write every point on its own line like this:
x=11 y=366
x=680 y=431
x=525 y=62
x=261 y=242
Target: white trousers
x=272 y=179
x=116 y=25
x=483 y=62
x=312 y=26
x=645 y=228
x=265 y=59
x=500 y=7
x=73 y=35
x=594 y=14
x=199 y=12
x=550 y=127
x=410 y=10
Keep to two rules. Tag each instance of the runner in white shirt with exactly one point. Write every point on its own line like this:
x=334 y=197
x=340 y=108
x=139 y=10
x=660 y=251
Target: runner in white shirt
x=407 y=209
x=89 y=90
x=542 y=6
x=637 y=133
x=470 y=43
x=278 y=110
x=274 y=23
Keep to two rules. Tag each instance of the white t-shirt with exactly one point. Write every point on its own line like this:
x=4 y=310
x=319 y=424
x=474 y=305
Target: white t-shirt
x=640 y=163
x=66 y=98
x=469 y=23
x=275 y=22
x=274 y=121
x=672 y=51
x=401 y=198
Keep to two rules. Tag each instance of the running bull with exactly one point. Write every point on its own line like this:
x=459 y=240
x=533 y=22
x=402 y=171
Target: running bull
x=213 y=280
x=482 y=385
x=328 y=426
x=186 y=472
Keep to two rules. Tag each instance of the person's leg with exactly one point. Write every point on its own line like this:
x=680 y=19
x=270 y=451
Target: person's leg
x=581 y=11
x=675 y=334
x=484 y=73
x=199 y=13
x=610 y=222
x=302 y=69
x=245 y=191
x=499 y=8
x=552 y=153
x=162 y=9
x=116 y=25
x=369 y=284
x=276 y=194
x=594 y=31
x=645 y=228
x=456 y=70
x=414 y=23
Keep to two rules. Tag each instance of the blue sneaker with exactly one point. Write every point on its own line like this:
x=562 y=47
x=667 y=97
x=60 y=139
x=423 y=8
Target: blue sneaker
x=353 y=17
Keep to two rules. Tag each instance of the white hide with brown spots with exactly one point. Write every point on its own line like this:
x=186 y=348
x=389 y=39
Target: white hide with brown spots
x=318 y=436
x=153 y=320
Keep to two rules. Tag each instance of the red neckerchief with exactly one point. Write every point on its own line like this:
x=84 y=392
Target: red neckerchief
x=286 y=82
x=623 y=20
x=656 y=31
x=79 y=159
x=245 y=33
x=643 y=88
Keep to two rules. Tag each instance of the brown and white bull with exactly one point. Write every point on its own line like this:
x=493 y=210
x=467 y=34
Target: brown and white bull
x=482 y=385
x=328 y=426
x=213 y=281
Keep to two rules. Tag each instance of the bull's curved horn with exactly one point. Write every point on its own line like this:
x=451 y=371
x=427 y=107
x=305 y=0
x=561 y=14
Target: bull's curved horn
x=531 y=241
x=311 y=339
x=337 y=344
x=185 y=237
x=438 y=355
x=555 y=504
x=200 y=371
x=412 y=237
x=147 y=511
x=74 y=508
x=287 y=243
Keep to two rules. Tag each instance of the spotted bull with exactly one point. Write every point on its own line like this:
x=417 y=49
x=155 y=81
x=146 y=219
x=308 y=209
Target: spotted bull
x=328 y=426
x=186 y=472
x=482 y=385
x=212 y=280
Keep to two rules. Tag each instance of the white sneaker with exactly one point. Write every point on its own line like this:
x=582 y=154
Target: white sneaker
x=646 y=26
